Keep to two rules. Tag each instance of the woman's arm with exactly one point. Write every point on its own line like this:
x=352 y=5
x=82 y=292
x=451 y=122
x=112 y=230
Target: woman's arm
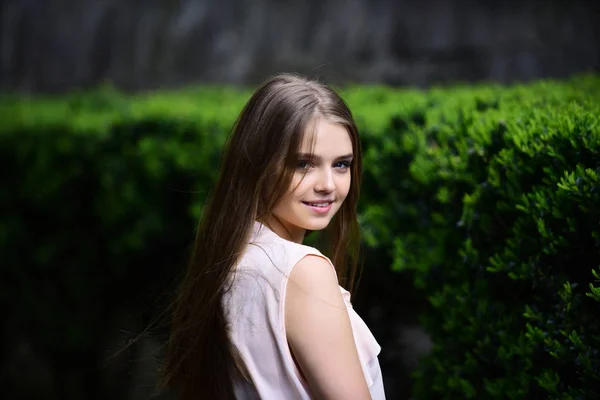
x=319 y=332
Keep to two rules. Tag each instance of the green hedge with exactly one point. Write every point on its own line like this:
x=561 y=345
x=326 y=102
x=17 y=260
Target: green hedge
x=492 y=198
x=487 y=195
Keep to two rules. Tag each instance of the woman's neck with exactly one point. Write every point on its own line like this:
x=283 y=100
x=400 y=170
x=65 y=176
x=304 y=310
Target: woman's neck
x=285 y=231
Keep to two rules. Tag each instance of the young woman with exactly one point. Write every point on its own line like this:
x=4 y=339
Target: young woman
x=259 y=315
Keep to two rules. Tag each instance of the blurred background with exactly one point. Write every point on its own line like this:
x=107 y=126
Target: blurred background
x=53 y=46
x=57 y=46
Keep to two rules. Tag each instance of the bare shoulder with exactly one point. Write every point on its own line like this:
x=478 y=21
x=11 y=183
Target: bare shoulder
x=314 y=275
x=320 y=334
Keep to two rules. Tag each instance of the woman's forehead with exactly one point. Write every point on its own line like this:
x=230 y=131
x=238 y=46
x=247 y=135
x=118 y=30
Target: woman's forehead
x=326 y=138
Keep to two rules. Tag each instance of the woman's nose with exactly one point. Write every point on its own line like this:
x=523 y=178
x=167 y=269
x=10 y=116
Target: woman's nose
x=326 y=182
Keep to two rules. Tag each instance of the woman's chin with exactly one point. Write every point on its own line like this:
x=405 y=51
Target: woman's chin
x=317 y=225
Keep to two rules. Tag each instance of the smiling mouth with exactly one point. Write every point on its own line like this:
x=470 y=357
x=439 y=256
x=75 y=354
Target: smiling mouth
x=321 y=204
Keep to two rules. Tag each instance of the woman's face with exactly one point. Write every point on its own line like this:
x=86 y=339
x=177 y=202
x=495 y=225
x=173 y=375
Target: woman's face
x=320 y=184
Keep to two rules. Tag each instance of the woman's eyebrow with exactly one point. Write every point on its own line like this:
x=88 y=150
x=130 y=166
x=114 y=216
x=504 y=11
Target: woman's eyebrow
x=313 y=157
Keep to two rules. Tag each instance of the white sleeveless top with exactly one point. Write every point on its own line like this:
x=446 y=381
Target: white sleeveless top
x=255 y=312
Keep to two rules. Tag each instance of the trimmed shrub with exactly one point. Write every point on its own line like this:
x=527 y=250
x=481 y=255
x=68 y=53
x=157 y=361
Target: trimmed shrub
x=486 y=195
x=100 y=203
x=491 y=198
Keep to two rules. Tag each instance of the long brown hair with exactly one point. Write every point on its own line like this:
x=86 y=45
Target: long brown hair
x=256 y=170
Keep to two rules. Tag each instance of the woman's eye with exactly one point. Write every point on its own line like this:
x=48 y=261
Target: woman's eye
x=303 y=164
x=343 y=164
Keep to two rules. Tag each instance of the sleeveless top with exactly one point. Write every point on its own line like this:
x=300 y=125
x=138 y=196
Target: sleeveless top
x=254 y=308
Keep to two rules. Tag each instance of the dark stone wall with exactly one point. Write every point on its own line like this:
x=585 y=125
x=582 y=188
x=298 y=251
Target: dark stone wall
x=56 y=45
